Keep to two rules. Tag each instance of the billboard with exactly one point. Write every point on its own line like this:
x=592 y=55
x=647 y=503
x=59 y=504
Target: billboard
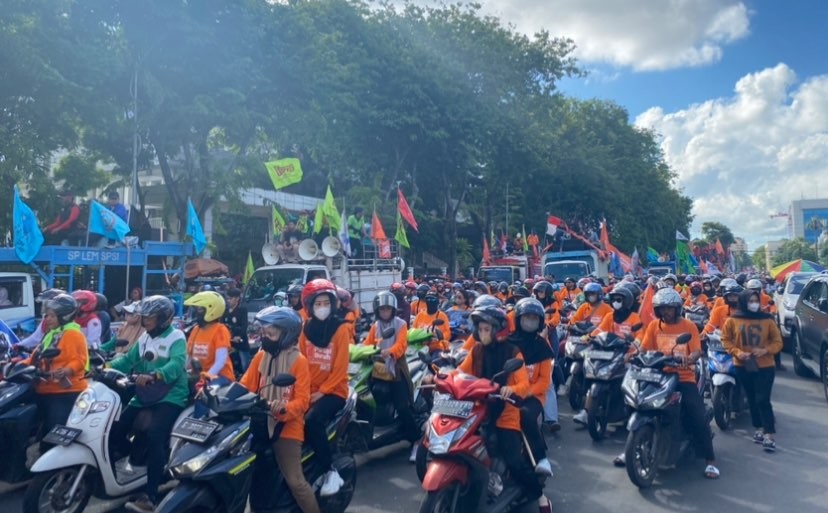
x=814 y=222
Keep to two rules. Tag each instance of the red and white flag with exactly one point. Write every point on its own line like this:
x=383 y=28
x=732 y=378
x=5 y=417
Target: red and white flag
x=552 y=224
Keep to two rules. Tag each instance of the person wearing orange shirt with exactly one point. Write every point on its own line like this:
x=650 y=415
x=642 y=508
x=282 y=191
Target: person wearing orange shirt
x=594 y=309
x=662 y=335
x=425 y=320
x=324 y=342
x=347 y=312
x=537 y=354
x=622 y=321
x=294 y=297
x=279 y=329
x=545 y=293
x=696 y=296
x=209 y=342
x=719 y=315
x=418 y=304
x=570 y=292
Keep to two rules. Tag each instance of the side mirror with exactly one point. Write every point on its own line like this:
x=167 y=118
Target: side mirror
x=512 y=365
x=283 y=380
x=388 y=332
x=684 y=338
x=439 y=322
x=52 y=352
x=637 y=327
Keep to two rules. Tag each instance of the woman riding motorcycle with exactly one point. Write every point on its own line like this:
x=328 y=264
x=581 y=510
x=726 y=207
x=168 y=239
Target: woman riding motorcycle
x=129 y=332
x=34 y=339
x=622 y=319
x=87 y=317
x=279 y=329
x=730 y=297
x=696 y=296
x=425 y=320
x=594 y=309
x=158 y=360
x=324 y=341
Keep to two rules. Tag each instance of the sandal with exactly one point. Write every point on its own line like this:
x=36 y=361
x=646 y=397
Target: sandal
x=620 y=461
x=711 y=472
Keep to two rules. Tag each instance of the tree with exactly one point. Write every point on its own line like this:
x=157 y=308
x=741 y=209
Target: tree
x=794 y=249
x=759 y=259
x=713 y=231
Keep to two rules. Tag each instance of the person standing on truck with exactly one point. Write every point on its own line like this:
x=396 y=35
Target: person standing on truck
x=355 y=229
x=65 y=229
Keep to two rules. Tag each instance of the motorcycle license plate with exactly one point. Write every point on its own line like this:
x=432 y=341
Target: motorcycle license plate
x=62 y=435
x=354 y=368
x=645 y=376
x=194 y=430
x=600 y=355
x=453 y=408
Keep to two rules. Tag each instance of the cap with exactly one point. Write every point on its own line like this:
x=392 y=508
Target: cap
x=134 y=307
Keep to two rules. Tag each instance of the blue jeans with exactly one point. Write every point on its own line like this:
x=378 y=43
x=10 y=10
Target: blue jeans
x=199 y=408
x=550 y=406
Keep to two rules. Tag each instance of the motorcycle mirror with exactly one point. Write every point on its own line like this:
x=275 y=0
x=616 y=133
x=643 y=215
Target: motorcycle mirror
x=512 y=365
x=637 y=327
x=121 y=342
x=438 y=322
x=388 y=332
x=283 y=380
x=52 y=352
x=684 y=338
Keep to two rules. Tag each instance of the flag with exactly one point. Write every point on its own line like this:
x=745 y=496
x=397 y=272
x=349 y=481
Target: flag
x=6 y=332
x=487 y=257
x=634 y=260
x=719 y=249
x=605 y=236
x=492 y=240
x=680 y=236
x=615 y=267
x=194 y=229
x=684 y=260
x=525 y=241
x=646 y=311
x=623 y=261
x=329 y=209
x=28 y=239
x=400 y=236
x=319 y=218
x=552 y=224
x=277 y=221
x=344 y=238
x=249 y=269
x=405 y=210
x=106 y=222
x=377 y=231
x=284 y=172
x=732 y=262
x=302 y=224
x=652 y=255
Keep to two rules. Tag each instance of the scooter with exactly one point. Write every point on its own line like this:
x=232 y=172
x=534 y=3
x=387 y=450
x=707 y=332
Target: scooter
x=604 y=370
x=80 y=465
x=575 y=349
x=221 y=460
x=460 y=467
x=657 y=438
x=728 y=397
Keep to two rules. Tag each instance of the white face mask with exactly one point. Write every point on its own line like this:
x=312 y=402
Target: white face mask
x=617 y=305
x=753 y=307
x=321 y=312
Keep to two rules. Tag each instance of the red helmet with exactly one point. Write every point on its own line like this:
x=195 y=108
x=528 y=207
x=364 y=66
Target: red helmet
x=397 y=287
x=411 y=284
x=87 y=300
x=314 y=289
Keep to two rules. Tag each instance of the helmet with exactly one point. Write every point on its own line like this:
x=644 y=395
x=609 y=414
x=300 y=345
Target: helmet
x=733 y=288
x=432 y=298
x=64 y=306
x=696 y=288
x=385 y=299
x=480 y=287
x=422 y=290
x=754 y=284
x=484 y=300
x=493 y=285
x=86 y=300
x=161 y=307
x=569 y=279
x=344 y=296
x=102 y=303
x=716 y=279
x=397 y=288
x=411 y=285
x=593 y=288
x=491 y=315
x=48 y=294
x=503 y=287
x=284 y=318
x=315 y=288
x=583 y=282
x=667 y=297
x=544 y=286
x=728 y=283
x=529 y=306
x=522 y=292
x=529 y=283
x=633 y=288
x=741 y=278
x=625 y=295
x=295 y=290
x=670 y=276
x=212 y=303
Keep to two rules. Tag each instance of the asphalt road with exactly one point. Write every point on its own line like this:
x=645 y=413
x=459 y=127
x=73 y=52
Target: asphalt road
x=793 y=479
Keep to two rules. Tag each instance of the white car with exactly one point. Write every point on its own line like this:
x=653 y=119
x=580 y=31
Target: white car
x=785 y=298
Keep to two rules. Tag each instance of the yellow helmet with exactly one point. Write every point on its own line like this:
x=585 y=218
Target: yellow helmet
x=212 y=302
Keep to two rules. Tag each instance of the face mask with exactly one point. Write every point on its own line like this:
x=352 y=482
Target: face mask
x=617 y=305
x=270 y=346
x=529 y=325
x=431 y=308
x=753 y=307
x=321 y=312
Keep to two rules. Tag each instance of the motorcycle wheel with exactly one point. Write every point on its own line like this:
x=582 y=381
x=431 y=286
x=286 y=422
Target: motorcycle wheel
x=640 y=458
x=46 y=493
x=722 y=406
x=446 y=500
x=576 y=392
x=597 y=420
x=421 y=463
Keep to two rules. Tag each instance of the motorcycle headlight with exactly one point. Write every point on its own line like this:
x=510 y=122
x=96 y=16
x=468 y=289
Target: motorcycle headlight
x=440 y=444
x=197 y=463
x=604 y=372
x=83 y=404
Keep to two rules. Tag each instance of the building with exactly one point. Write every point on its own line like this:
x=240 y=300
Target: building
x=809 y=218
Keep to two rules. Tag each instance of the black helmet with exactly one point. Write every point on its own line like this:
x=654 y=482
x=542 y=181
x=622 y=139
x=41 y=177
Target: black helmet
x=284 y=318
x=569 y=279
x=543 y=286
x=385 y=299
x=633 y=288
x=432 y=298
x=732 y=289
x=480 y=287
x=529 y=306
x=741 y=278
x=492 y=286
x=423 y=290
x=485 y=300
x=295 y=290
x=503 y=287
x=521 y=292
x=103 y=303
x=159 y=306
x=491 y=315
x=48 y=294
x=64 y=306
x=625 y=295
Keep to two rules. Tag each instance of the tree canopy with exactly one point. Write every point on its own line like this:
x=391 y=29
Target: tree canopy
x=454 y=106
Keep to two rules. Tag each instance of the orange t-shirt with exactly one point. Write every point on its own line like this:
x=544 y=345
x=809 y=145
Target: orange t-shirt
x=621 y=329
x=328 y=365
x=203 y=344
x=73 y=356
x=700 y=300
x=417 y=306
x=297 y=396
x=592 y=314
x=425 y=321
x=519 y=383
x=717 y=318
x=662 y=337
x=400 y=342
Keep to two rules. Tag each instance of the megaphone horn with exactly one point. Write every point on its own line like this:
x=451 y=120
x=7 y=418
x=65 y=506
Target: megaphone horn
x=331 y=246
x=308 y=250
x=270 y=254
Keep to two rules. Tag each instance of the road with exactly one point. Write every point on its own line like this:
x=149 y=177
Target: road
x=792 y=479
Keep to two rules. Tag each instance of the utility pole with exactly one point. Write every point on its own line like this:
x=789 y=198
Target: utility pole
x=134 y=93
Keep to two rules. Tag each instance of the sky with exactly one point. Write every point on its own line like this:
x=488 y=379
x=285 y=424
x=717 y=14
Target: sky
x=736 y=90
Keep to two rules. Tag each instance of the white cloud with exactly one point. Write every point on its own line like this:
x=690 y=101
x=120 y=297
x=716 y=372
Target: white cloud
x=640 y=34
x=751 y=154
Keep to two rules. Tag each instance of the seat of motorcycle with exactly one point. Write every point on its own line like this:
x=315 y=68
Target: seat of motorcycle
x=233 y=397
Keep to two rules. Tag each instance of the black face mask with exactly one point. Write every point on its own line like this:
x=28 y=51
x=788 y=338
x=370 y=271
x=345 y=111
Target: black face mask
x=270 y=346
x=431 y=307
x=200 y=320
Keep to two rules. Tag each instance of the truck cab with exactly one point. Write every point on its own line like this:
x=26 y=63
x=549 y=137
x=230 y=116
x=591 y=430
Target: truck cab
x=264 y=287
x=17 y=301
x=562 y=269
x=575 y=264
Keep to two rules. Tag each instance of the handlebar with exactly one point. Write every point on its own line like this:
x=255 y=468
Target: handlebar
x=500 y=397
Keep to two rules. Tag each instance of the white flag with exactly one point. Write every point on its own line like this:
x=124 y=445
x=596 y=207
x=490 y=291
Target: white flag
x=680 y=236
x=344 y=238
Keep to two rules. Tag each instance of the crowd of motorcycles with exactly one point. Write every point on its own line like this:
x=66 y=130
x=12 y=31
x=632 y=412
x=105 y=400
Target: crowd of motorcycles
x=216 y=465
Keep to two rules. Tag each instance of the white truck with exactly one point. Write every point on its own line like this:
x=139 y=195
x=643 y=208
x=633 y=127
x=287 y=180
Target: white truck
x=17 y=301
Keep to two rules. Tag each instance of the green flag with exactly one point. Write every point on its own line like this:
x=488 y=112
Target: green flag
x=684 y=263
x=329 y=209
x=249 y=269
x=284 y=172
x=303 y=225
x=525 y=242
x=400 y=236
x=277 y=221
x=319 y=218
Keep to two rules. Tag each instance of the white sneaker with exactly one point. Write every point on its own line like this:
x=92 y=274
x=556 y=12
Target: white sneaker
x=333 y=482
x=413 y=457
x=581 y=417
x=544 y=466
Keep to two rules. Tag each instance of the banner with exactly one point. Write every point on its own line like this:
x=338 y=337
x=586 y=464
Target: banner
x=401 y=236
x=107 y=223
x=28 y=239
x=194 y=229
x=377 y=231
x=284 y=172
x=277 y=222
x=405 y=210
x=249 y=269
x=552 y=224
x=652 y=255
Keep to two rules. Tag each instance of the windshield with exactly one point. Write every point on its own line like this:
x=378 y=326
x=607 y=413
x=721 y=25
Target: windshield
x=562 y=271
x=497 y=274
x=797 y=283
x=265 y=283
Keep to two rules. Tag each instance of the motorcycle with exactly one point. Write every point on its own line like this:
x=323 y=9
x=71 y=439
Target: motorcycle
x=575 y=349
x=221 y=460
x=698 y=315
x=604 y=370
x=728 y=397
x=460 y=466
x=657 y=438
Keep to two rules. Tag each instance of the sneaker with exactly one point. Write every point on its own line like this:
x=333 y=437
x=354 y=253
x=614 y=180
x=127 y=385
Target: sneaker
x=758 y=436
x=140 y=504
x=768 y=444
x=333 y=482
x=552 y=427
x=413 y=457
x=581 y=417
x=544 y=467
x=495 y=487
x=620 y=460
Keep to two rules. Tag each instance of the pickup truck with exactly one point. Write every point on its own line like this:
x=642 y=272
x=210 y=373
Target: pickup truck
x=17 y=301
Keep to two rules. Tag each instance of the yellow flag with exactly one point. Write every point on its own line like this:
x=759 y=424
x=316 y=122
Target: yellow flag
x=329 y=209
x=318 y=219
x=284 y=172
x=277 y=221
x=249 y=269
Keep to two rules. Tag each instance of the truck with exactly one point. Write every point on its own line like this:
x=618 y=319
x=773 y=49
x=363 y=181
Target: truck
x=662 y=268
x=509 y=268
x=17 y=301
x=575 y=264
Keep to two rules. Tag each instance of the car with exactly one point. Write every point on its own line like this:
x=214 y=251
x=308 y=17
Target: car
x=785 y=299
x=810 y=330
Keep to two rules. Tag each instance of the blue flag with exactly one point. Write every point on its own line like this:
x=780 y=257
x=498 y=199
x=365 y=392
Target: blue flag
x=7 y=336
x=194 y=229
x=28 y=238
x=106 y=222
